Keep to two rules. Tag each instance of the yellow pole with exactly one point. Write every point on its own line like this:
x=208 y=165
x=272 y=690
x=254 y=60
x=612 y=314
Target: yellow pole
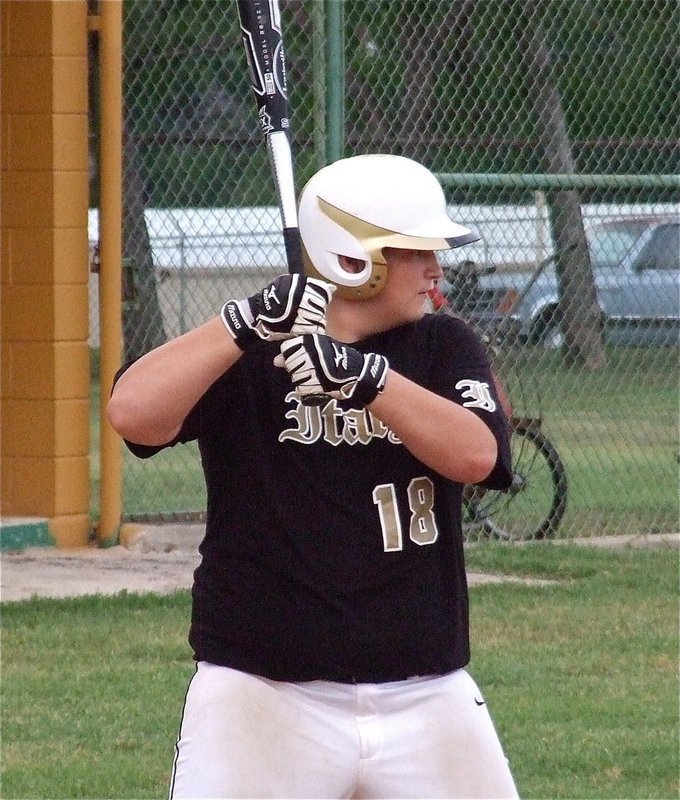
x=110 y=221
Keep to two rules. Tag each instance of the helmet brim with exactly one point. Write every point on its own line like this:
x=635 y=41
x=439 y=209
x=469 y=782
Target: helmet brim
x=440 y=233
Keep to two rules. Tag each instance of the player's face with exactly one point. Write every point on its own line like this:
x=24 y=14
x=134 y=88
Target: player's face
x=410 y=276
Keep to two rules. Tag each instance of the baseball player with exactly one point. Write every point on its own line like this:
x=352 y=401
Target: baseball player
x=337 y=423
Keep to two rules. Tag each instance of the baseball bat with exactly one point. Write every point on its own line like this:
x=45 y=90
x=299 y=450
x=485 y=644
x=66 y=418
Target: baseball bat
x=263 y=42
x=261 y=34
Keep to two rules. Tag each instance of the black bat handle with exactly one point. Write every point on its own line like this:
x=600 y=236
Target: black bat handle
x=293 y=245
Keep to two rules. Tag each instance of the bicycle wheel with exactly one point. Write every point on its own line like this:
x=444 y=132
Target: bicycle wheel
x=533 y=506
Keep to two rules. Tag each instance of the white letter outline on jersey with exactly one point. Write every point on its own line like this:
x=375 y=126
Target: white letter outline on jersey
x=478 y=394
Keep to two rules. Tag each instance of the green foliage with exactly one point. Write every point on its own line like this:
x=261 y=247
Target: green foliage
x=445 y=82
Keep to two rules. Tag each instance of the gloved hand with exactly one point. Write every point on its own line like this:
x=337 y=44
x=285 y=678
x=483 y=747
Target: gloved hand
x=320 y=365
x=290 y=306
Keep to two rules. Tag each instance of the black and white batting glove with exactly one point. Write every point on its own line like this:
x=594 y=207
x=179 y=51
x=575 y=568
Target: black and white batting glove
x=290 y=306
x=319 y=365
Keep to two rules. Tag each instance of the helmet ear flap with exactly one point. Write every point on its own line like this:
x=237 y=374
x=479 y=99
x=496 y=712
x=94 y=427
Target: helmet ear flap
x=369 y=287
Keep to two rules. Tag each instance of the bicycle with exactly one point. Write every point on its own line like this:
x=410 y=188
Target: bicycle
x=535 y=503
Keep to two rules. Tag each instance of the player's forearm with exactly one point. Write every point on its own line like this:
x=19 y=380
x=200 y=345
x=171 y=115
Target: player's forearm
x=154 y=395
x=447 y=437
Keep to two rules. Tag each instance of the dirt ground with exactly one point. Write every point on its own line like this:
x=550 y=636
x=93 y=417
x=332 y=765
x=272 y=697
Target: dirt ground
x=163 y=560
x=47 y=572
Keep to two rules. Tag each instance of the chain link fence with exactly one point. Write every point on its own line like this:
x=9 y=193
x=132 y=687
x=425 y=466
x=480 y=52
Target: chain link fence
x=553 y=128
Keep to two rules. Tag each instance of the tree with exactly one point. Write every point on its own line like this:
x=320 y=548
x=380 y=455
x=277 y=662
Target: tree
x=579 y=313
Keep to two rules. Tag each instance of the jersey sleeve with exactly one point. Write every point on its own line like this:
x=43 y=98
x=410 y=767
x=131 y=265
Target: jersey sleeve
x=187 y=433
x=461 y=372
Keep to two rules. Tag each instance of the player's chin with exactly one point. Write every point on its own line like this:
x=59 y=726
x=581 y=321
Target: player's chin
x=422 y=305
x=415 y=311
x=404 y=312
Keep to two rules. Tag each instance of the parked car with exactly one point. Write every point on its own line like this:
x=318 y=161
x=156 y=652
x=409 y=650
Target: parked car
x=636 y=269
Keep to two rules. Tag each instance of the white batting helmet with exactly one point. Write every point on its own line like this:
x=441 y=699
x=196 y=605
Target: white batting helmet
x=356 y=206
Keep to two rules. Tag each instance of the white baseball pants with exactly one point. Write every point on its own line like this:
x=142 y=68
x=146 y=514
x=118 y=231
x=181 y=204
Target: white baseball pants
x=246 y=736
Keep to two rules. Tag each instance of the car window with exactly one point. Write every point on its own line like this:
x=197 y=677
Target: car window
x=610 y=245
x=663 y=250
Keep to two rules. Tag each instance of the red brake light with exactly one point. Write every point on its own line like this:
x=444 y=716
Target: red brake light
x=507 y=302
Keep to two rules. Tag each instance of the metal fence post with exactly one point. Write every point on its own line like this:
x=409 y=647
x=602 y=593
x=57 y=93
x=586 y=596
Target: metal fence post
x=110 y=501
x=335 y=80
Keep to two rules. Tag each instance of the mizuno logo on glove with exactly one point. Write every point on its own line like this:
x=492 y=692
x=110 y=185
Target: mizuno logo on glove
x=340 y=356
x=269 y=297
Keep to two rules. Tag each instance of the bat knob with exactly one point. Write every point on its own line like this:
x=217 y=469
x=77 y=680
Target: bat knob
x=315 y=400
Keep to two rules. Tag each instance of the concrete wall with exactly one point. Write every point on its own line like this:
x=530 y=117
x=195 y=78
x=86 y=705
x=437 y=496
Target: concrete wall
x=45 y=363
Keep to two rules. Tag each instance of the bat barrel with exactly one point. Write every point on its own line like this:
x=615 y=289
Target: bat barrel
x=261 y=34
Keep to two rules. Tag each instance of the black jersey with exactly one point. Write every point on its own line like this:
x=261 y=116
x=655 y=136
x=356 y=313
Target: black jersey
x=330 y=551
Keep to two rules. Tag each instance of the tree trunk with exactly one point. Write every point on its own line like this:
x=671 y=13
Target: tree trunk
x=579 y=310
x=143 y=327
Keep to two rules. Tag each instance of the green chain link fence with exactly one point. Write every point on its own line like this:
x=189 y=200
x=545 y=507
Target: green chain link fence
x=553 y=127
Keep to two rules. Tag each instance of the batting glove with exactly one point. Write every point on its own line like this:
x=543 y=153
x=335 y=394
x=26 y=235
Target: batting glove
x=319 y=365
x=290 y=306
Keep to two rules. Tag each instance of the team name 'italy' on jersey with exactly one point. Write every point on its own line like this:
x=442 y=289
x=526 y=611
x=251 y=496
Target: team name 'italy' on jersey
x=333 y=425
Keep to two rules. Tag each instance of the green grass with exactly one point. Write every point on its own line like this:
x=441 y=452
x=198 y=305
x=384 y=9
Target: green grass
x=616 y=430
x=581 y=678
x=169 y=483
x=92 y=689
